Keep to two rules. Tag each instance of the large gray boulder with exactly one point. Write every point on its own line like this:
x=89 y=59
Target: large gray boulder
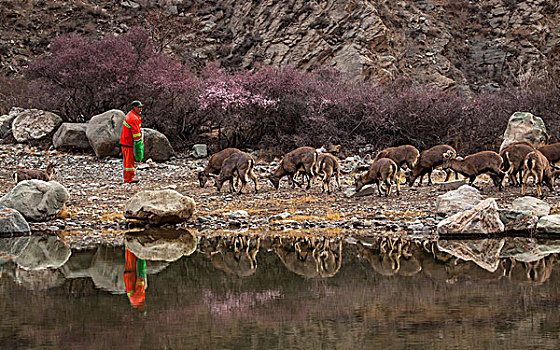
x=532 y=205
x=524 y=126
x=549 y=224
x=103 y=132
x=463 y=198
x=12 y=223
x=71 y=137
x=483 y=218
x=35 y=126
x=43 y=252
x=159 y=207
x=6 y=124
x=36 y=200
x=156 y=145
x=518 y=220
x=161 y=244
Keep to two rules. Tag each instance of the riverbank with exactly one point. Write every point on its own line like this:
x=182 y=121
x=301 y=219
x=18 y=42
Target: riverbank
x=98 y=197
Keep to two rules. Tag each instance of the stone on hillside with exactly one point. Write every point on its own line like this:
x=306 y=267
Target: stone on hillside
x=367 y=190
x=159 y=207
x=36 y=200
x=161 y=244
x=523 y=126
x=35 y=126
x=463 y=198
x=199 y=151
x=43 y=252
x=483 y=252
x=11 y=247
x=518 y=220
x=531 y=204
x=549 y=224
x=12 y=223
x=483 y=218
x=156 y=146
x=6 y=124
x=71 y=137
x=103 y=132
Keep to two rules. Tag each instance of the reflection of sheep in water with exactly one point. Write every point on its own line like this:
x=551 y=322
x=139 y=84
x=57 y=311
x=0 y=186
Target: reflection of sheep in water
x=310 y=257
x=535 y=272
x=392 y=256
x=236 y=255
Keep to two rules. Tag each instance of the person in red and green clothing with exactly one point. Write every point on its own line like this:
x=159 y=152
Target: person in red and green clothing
x=132 y=141
x=135 y=280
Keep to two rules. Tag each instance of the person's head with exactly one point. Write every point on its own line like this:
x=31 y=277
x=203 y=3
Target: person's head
x=137 y=106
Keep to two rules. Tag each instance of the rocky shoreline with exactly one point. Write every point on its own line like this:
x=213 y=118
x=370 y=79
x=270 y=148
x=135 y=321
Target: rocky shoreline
x=94 y=212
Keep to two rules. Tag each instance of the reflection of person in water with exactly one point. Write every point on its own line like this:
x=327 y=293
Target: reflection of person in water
x=135 y=280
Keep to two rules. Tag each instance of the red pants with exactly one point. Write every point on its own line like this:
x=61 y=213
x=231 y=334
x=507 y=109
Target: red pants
x=128 y=164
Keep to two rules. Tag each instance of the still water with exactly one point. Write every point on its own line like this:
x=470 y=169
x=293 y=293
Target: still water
x=174 y=290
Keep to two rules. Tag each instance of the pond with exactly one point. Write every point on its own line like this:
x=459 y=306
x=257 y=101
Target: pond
x=245 y=291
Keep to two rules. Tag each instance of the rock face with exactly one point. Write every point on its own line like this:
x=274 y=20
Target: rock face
x=159 y=207
x=36 y=200
x=161 y=244
x=526 y=127
x=43 y=252
x=481 y=219
x=35 y=126
x=12 y=223
x=156 y=146
x=463 y=198
x=473 y=45
x=103 y=132
x=71 y=137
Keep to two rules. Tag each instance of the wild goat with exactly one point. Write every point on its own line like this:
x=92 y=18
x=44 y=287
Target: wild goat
x=240 y=165
x=382 y=170
x=537 y=165
x=427 y=161
x=404 y=154
x=28 y=174
x=476 y=164
x=215 y=165
x=302 y=158
x=551 y=152
x=328 y=165
x=513 y=155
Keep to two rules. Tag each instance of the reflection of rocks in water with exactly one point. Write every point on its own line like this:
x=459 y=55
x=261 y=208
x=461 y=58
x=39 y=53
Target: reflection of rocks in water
x=310 y=257
x=38 y=279
x=529 y=249
x=534 y=272
x=391 y=256
x=44 y=251
x=11 y=247
x=162 y=244
x=484 y=252
x=106 y=269
x=236 y=255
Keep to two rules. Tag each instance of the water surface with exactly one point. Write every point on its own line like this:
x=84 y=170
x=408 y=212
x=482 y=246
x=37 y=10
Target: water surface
x=273 y=292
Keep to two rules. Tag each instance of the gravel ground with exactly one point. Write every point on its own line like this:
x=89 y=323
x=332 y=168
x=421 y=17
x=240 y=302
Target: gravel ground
x=98 y=197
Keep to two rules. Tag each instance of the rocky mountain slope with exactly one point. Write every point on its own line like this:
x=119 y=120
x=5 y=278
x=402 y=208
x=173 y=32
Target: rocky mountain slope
x=458 y=44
